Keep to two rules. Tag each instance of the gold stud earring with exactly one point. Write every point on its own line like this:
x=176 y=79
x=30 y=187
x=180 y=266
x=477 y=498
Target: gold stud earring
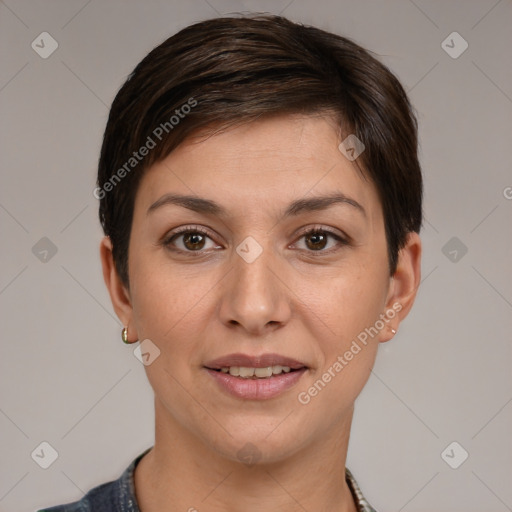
x=124 y=335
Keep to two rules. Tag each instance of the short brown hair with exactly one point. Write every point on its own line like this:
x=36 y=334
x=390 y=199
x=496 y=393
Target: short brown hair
x=233 y=70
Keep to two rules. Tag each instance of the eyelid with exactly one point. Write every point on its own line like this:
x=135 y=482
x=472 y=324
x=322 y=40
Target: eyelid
x=324 y=229
x=191 y=228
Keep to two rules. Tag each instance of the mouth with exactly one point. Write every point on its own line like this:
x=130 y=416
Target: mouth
x=256 y=377
x=255 y=367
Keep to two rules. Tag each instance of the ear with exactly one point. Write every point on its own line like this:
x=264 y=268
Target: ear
x=403 y=286
x=119 y=293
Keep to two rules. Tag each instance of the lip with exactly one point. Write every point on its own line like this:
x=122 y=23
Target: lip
x=259 y=361
x=256 y=389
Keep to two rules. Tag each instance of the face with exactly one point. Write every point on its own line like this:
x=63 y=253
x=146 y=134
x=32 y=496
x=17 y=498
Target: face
x=282 y=263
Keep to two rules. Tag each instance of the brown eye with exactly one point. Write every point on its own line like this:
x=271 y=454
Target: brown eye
x=321 y=241
x=316 y=240
x=193 y=241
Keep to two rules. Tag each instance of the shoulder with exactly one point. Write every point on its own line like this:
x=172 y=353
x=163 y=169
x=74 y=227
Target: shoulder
x=115 y=496
x=102 y=498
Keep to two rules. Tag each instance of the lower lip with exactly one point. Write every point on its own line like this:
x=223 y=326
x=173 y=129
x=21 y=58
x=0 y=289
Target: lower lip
x=257 y=389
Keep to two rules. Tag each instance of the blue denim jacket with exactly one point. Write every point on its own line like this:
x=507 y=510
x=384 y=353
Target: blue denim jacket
x=119 y=495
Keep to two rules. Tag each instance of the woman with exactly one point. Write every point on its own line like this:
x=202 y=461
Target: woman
x=261 y=198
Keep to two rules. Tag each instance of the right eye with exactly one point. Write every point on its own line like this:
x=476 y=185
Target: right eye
x=189 y=239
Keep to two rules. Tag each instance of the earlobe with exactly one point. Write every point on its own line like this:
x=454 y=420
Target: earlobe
x=119 y=294
x=404 y=284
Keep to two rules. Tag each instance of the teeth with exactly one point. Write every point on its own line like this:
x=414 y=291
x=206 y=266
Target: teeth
x=243 y=372
x=263 y=372
x=260 y=373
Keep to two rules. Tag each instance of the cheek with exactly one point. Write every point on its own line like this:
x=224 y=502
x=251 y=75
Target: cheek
x=350 y=309
x=350 y=299
x=157 y=304
x=170 y=304
x=350 y=306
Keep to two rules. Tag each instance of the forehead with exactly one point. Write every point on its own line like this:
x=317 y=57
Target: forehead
x=260 y=166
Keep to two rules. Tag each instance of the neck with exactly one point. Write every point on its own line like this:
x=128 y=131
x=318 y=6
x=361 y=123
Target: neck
x=183 y=473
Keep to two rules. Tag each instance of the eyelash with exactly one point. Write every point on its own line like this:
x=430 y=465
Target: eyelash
x=167 y=241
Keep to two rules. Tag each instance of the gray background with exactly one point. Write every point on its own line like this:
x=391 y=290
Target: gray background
x=67 y=378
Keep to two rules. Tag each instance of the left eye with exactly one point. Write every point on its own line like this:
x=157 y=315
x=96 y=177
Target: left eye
x=317 y=240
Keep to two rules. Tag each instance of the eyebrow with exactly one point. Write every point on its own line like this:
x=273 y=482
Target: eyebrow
x=297 y=207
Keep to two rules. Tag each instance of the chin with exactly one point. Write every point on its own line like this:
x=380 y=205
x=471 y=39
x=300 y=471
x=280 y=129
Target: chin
x=256 y=447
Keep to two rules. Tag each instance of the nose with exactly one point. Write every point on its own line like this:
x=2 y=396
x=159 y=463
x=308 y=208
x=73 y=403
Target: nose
x=254 y=296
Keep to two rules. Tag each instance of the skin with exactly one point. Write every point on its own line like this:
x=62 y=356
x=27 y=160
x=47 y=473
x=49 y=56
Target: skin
x=292 y=300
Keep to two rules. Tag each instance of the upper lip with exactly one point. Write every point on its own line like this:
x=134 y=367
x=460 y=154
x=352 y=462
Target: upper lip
x=261 y=361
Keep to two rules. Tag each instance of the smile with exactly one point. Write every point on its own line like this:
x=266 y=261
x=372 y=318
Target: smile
x=245 y=372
